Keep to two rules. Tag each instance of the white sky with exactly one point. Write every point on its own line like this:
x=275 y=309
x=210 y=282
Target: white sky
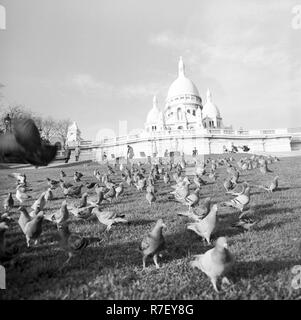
x=101 y=61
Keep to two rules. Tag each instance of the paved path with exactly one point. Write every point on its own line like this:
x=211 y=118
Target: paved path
x=56 y=164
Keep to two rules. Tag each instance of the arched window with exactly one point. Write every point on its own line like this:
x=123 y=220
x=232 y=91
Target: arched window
x=58 y=145
x=179 y=114
x=188 y=111
x=193 y=112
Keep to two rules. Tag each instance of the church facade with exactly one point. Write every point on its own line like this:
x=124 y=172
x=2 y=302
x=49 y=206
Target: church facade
x=187 y=124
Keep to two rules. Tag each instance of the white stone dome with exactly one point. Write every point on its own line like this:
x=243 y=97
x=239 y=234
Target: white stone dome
x=153 y=115
x=182 y=85
x=210 y=110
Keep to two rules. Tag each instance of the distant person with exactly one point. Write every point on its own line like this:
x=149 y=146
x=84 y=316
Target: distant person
x=166 y=153
x=24 y=145
x=130 y=152
x=67 y=154
x=194 y=152
x=77 y=153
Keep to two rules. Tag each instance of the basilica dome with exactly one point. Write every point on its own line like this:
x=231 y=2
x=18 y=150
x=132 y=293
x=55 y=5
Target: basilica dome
x=153 y=115
x=182 y=85
x=210 y=110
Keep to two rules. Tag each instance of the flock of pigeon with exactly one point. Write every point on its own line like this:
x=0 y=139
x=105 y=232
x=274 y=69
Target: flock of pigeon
x=215 y=262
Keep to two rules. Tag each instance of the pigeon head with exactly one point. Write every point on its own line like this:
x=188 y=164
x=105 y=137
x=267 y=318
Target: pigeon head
x=64 y=203
x=221 y=243
x=161 y=224
x=214 y=208
x=40 y=216
x=3 y=226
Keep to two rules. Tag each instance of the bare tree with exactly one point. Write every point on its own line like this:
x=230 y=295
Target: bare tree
x=61 y=129
x=48 y=128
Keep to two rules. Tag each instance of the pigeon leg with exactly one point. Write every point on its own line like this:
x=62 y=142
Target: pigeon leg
x=28 y=242
x=242 y=214
x=213 y=281
x=208 y=240
x=143 y=261
x=225 y=281
x=155 y=258
x=70 y=255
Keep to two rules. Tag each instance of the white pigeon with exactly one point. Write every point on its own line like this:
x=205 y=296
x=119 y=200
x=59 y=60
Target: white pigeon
x=40 y=202
x=216 y=262
x=206 y=226
x=240 y=202
x=21 y=194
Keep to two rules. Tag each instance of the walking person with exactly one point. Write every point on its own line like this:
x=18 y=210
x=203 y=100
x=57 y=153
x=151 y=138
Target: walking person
x=130 y=154
x=67 y=154
x=77 y=153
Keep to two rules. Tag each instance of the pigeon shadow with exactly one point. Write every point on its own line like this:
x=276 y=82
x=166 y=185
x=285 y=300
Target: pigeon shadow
x=251 y=269
x=141 y=222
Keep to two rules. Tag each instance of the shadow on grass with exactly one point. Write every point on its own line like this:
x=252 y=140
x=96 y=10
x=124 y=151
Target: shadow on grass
x=251 y=269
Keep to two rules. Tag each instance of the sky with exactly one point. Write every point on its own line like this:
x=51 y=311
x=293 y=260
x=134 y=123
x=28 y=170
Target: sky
x=99 y=62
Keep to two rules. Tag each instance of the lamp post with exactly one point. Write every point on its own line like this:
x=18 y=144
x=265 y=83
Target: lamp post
x=7 y=123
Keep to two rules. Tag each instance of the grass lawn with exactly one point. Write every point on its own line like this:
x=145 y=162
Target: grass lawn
x=112 y=269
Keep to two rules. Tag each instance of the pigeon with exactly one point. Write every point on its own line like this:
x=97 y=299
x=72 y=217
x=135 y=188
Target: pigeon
x=48 y=195
x=206 y=226
x=150 y=197
x=74 y=191
x=181 y=193
x=153 y=243
x=52 y=183
x=8 y=203
x=192 y=199
x=228 y=184
x=91 y=185
x=108 y=218
x=198 y=181
x=240 y=201
x=272 y=187
x=97 y=175
x=83 y=201
x=21 y=178
x=238 y=190
x=245 y=223
x=21 y=194
x=71 y=243
x=203 y=208
x=35 y=212
x=150 y=188
x=62 y=174
x=111 y=194
x=98 y=200
x=77 y=176
x=212 y=175
x=119 y=190
x=40 y=202
x=82 y=213
x=166 y=178
x=65 y=185
x=31 y=227
x=60 y=216
x=215 y=262
x=141 y=184
x=191 y=215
